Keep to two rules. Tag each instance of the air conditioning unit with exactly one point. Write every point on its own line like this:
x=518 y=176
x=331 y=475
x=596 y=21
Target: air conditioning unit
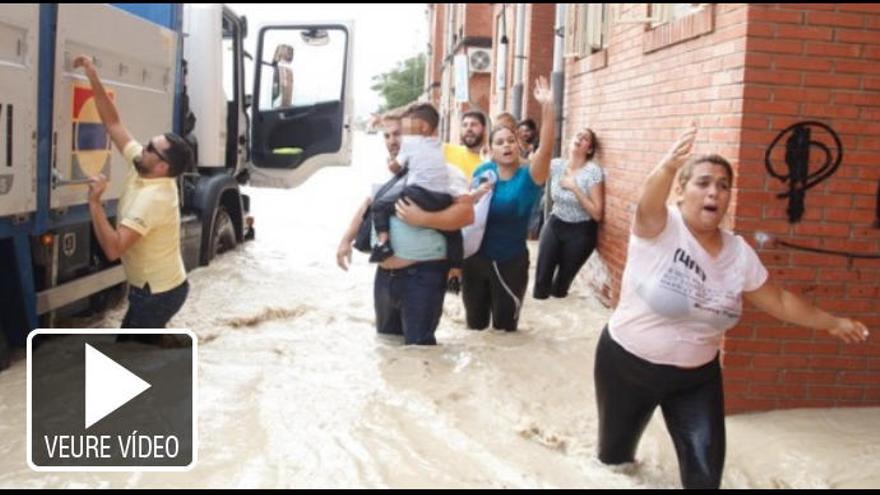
x=479 y=60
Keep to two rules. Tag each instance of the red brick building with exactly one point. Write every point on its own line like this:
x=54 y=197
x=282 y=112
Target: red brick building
x=457 y=29
x=747 y=73
x=476 y=31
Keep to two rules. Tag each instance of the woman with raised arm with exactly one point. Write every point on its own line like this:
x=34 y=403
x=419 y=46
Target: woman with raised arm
x=682 y=288
x=495 y=278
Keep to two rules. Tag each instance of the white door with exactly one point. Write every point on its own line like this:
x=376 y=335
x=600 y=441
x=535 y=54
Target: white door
x=19 y=66
x=302 y=105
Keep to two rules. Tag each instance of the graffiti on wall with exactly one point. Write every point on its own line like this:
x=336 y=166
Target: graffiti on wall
x=805 y=139
x=812 y=153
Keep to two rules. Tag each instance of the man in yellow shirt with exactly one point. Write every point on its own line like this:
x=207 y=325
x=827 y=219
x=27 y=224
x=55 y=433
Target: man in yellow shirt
x=147 y=235
x=466 y=156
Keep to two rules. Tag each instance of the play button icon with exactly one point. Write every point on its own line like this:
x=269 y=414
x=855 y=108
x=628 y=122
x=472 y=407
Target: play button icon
x=111 y=400
x=108 y=385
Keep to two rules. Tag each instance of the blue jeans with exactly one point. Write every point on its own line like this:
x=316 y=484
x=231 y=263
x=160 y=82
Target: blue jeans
x=148 y=310
x=409 y=301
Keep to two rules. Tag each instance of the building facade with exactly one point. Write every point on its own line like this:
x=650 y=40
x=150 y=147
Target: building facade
x=790 y=94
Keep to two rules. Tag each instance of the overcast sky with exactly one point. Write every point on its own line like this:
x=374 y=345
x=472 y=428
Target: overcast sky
x=384 y=34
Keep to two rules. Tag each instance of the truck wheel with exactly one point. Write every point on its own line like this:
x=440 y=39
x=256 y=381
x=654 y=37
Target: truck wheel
x=107 y=298
x=223 y=235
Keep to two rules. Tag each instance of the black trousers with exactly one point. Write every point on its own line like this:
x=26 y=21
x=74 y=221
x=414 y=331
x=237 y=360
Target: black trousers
x=494 y=289
x=383 y=208
x=628 y=389
x=562 y=251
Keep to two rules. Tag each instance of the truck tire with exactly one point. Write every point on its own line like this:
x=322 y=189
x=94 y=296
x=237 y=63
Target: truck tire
x=107 y=298
x=222 y=235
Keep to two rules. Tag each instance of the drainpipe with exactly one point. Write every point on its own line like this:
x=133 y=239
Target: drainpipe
x=519 y=61
x=501 y=84
x=447 y=73
x=557 y=78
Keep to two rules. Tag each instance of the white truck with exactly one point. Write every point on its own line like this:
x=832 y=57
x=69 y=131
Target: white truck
x=178 y=67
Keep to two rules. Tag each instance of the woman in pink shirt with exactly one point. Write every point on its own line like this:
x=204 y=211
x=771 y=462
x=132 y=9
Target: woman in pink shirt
x=682 y=289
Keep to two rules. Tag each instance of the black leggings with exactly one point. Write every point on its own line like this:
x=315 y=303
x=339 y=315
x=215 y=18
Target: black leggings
x=628 y=389
x=496 y=288
x=562 y=251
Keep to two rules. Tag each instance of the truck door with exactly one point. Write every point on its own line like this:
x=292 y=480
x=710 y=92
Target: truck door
x=137 y=63
x=18 y=108
x=302 y=102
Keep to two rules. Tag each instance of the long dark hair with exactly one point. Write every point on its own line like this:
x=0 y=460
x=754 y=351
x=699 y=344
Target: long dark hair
x=594 y=143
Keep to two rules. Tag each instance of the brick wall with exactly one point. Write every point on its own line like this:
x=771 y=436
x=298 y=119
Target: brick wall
x=478 y=20
x=470 y=21
x=434 y=64
x=540 y=19
x=639 y=93
x=810 y=63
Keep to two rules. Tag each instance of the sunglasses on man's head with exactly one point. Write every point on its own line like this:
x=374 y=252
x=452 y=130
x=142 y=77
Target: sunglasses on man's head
x=152 y=149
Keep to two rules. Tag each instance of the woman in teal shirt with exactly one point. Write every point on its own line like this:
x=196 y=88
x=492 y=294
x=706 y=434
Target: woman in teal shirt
x=495 y=278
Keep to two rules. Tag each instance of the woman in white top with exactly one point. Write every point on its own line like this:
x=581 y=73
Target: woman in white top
x=577 y=193
x=681 y=291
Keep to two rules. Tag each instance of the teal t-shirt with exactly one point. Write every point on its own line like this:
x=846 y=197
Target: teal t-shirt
x=507 y=225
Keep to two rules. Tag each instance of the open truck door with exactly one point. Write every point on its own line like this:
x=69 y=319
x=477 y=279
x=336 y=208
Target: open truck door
x=302 y=103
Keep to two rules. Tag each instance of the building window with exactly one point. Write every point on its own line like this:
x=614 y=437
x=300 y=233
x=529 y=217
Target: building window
x=675 y=23
x=585 y=28
x=663 y=13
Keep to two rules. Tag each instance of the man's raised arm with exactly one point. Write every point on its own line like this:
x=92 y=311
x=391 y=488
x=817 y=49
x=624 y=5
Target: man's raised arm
x=106 y=109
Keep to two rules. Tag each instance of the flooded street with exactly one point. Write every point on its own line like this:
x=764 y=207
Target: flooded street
x=296 y=390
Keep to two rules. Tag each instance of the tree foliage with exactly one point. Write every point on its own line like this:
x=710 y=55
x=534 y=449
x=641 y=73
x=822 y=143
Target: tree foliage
x=401 y=85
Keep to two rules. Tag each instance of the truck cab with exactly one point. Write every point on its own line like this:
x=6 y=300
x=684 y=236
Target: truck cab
x=253 y=125
x=268 y=119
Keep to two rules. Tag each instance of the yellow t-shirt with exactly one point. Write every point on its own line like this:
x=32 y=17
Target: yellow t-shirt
x=460 y=156
x=151 y=208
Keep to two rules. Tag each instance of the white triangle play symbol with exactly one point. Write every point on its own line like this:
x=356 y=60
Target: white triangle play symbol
x=108 y=385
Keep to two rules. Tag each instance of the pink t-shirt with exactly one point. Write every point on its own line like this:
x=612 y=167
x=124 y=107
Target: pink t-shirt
x=676 y=301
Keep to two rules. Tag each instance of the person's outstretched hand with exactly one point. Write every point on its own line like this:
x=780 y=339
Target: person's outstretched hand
x=677 y=155
x=849 y=331
x=97 y=186
x=343 y=256
x=85 y=62
x=543 y=92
